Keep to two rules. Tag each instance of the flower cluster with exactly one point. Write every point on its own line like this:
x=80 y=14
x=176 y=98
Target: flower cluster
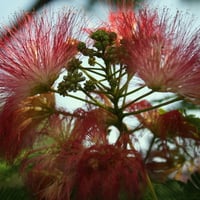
x=70 y=154
x=163 y=53
x=30 y=64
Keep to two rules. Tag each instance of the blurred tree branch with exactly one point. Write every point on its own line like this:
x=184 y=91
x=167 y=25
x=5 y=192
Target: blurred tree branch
x=39 y=4
x=19 y=23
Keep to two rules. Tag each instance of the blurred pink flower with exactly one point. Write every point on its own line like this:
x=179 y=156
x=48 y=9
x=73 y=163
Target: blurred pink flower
x=54 y=164
x=105 y=171
x=77 y=162
x=164 y=124
x=22 y=126
x=93 y=125
x=54 y=167
x=173 y=136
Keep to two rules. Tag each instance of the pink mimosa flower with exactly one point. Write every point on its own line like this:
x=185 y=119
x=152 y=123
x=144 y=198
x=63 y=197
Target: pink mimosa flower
x=159 y=49
x=166 y=55
x=122 y=21
x=31 y=59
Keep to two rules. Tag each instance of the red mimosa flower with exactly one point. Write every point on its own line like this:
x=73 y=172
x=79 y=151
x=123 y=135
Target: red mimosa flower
x=54 y=161
x=24 y=124
x=123 y=22
x=162 y=52
x=172 y=133
x=166 y=54
x=92 y=125
x=165 y=124
x=52 y=176
x=54 y=167
x=108 y=172
x=31 y=59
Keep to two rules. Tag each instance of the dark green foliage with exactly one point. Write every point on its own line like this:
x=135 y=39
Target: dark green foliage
x=175 y=190
x=9 y=176
x=194 y=121
x=11 y=185
x=165 y=191
x=192 y=188
x=74 y=64
x=188 y=105
x=17 y=193
x=89 y=86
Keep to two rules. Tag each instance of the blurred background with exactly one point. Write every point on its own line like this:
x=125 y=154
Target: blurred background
x=95 y=8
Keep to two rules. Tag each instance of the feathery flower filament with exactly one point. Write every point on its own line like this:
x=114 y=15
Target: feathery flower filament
x=69 y=155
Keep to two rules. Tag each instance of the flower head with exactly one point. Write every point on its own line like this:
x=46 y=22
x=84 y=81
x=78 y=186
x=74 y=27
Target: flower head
x=122 y=22
x=32 y=60
x=164 y=124
x=165 y=54
x=53 y=165
x=66 y=168
x=107 y=171
x=25 y=124
x=173 y=139
x=92 y=125
x=159 y=49
x=44 y=176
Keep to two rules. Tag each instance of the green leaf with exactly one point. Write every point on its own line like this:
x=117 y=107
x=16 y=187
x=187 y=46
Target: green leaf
x=165 y=191
x=18 y=193
x=188 y=105
x=175 y=190
x=11 y=185
x=192 y=119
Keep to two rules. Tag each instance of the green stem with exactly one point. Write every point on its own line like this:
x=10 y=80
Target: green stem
x=80 y=99
x=151 y=187
x=92 y=70
x=149 y=149
x=98 y=83
x=108 y=77
x=131 y=92
x=137 y=99
x=95 y=102
x=100 y=65
x=153 y=107
x=124 y=90
x=118 y=77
